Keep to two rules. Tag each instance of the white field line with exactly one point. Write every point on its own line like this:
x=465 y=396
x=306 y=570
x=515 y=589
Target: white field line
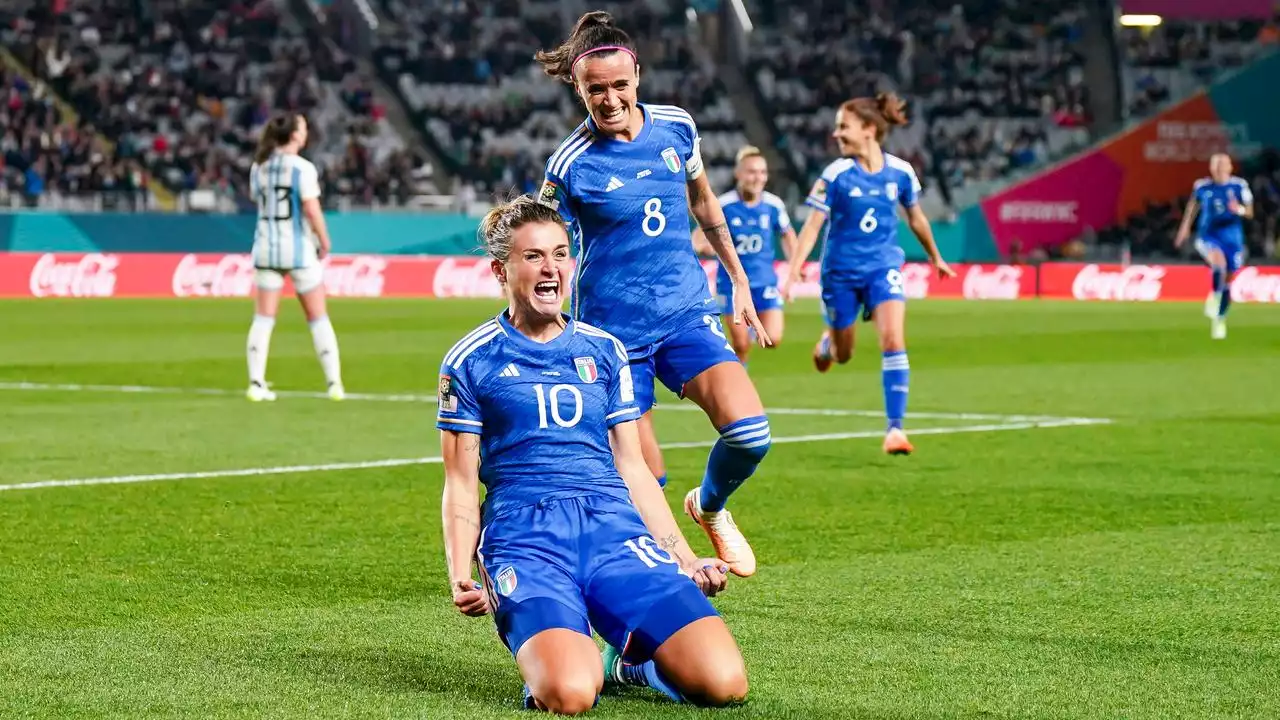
x=400 y=462
x=419 y=398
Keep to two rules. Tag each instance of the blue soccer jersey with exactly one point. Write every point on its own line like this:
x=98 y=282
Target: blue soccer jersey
x=637 y=275
x=861 y=208
x=756 y=228
x=1216 y=222
x=542 y=410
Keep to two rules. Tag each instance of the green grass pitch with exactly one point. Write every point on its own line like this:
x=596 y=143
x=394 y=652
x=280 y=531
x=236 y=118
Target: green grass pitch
x=1029 y=561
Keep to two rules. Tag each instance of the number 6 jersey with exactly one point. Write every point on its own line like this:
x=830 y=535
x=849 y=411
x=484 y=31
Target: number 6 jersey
x=282 y=238
x=627 y=210
x=862 y=215
x=542 y=410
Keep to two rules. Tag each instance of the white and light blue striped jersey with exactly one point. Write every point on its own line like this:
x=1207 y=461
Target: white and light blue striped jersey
x=862 y=214
x=1216 y=220
x=757 y=229
x=543 y=411
x=637 y=275
x=282 y=238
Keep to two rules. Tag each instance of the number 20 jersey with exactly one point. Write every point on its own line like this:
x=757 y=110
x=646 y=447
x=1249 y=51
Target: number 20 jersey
x=543 y=411
x=282 y=238
x=625 y=202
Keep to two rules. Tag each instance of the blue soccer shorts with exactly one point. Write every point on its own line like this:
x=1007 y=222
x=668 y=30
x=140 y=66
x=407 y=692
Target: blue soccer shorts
x=1233 y=252
x=843 y=299
x=764 y=298
x=679 y=358
x=585 y=562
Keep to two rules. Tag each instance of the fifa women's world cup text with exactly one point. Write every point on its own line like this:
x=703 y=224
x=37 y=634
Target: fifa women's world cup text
x=862 y=263
x=574 y=533
x=290 y=239
x=1223 y=201
x=756 y=218
x=626 y=181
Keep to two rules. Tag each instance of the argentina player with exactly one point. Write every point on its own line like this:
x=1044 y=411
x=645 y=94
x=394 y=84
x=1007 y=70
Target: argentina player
x=286 y=188
x=574 y=532
x=1223 y=200
x=755 y=217
x=862 y=261
x=626 y=181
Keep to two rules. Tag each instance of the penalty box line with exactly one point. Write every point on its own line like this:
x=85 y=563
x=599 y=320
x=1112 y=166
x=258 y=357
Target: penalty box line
x=422 y=398
x=435 y=460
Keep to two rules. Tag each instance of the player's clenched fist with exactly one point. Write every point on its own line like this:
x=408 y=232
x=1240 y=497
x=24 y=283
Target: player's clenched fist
x=469 y=598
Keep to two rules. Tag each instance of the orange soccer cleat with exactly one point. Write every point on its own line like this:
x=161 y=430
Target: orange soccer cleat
x=729 y=543
x=896 y=443
x=822 y=353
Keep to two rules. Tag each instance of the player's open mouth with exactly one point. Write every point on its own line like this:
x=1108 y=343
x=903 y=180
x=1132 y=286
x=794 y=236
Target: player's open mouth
x=547 y=290
x=615 y=115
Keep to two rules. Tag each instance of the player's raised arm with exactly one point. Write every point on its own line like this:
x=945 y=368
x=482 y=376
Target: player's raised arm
x=1188 y=217
x=460 y=512
x=647 y=496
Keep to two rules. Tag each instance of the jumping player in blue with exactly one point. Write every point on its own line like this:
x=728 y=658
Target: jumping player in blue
x=1223 y=200
x=862 y=261
x=626 y=181
x=574 y=532
x=755 y=218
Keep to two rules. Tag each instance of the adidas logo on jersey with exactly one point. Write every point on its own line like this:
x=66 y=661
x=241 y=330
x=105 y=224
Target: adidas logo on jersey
x=614 y=184
x=510 y=371
x=856 y=192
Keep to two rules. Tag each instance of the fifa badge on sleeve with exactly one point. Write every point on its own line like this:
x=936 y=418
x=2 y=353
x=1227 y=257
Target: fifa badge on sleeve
x=448 y=400
x=547 y=196
x=819 y=191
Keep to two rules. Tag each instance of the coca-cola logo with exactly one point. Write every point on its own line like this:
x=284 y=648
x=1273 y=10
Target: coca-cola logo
x=228 y=276
x=92 y=275
x=1003 y=282
x=1136 y=282
x=916 y=279
x=1253 y=285
x=356 y=276
x=469 y=277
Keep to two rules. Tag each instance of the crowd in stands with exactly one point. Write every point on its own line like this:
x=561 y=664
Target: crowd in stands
x=466 y=71
x=1171 y=61
x=181 y=88
x=992 y=87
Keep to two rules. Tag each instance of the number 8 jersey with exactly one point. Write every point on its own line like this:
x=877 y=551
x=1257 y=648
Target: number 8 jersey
x=861 y=208
x=627 y=210
x=542 y=410
x=282 y=238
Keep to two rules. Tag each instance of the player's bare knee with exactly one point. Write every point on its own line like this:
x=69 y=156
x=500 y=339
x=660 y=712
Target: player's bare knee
x=719 y=686
x=571 y=694
x=892 y=343
x=843 y=355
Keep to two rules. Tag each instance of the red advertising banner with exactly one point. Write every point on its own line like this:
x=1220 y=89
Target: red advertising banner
x=213 y=275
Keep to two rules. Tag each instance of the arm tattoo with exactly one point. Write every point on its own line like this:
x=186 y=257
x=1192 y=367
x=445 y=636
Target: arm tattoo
x=468 y=519
x=669 y=542
x=474 y=443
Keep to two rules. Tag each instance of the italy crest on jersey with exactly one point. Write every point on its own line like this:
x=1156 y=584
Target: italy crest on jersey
x=506 y=581
x=586 y=369
x=891 y=189
x=672 y=159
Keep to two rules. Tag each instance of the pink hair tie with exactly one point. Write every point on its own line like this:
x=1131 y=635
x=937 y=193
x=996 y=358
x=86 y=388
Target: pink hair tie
x=606 y=48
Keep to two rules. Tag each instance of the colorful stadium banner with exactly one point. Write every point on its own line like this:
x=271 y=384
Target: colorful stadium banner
x=1200 y=9
x=200 y=275
x=1153 y=163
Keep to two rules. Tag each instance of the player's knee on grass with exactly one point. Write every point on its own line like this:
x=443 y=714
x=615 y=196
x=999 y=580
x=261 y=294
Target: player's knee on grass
x=717 y=686
x=703 y=662
x=567 y=693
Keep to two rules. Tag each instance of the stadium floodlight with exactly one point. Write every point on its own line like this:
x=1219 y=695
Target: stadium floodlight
x=1140 y=20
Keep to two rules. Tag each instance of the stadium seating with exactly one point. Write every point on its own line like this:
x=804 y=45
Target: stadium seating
x=183 y=86
x=469 y=78
x=1170 y=62
x=992 y=87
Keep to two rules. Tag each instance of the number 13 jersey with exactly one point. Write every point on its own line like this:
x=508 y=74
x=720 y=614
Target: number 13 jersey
x=282 y=238
x=625 y=203
x=543 y=411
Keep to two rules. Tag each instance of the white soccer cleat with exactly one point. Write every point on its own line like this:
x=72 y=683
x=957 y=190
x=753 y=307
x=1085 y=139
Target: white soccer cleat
x=1211 y=305
x=336 y=392
x=730 y=544
x=1218 y=329
x=258 y=392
